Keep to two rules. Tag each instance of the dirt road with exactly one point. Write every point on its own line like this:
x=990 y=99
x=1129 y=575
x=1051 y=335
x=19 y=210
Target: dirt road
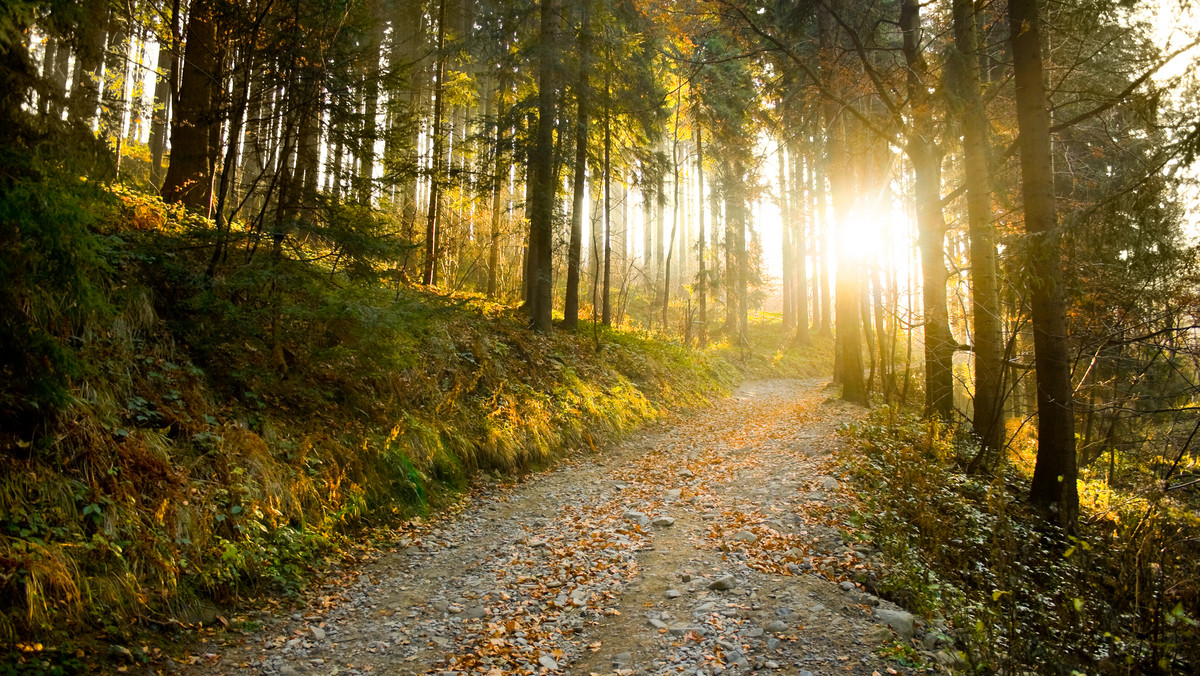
x=710 y=545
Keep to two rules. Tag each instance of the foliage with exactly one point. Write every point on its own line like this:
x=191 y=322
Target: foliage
x=179 y=463
x=1116 y=596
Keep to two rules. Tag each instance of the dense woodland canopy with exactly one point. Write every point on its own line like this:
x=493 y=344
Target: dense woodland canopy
x=984 y=204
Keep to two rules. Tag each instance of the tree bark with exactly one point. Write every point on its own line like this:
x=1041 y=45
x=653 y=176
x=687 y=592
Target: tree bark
x=189 y=177
x=579 y=182
x=542 y=186
x=89 y=60
x=931 y=222
x=433 y=220
x=164 y=95
x=985 y=298
x=702 y=275
x=1053 y=491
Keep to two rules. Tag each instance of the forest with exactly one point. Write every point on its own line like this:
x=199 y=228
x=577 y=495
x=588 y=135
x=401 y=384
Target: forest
x=275 y=274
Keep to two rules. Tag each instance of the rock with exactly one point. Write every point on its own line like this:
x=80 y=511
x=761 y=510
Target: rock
x=705 y=607
x=754 y=632
x=548 y=662
x=681 y=629
x=657 y=623
x=899 y=620
x=771 y=664
x=364 y=579
x=723 y=583
x=879 y=634
x=816 y=608
x=318 y=633
x=777 y=626
x=622 y=659
x=476 y=613
x=772 y=643
x=685 y=577
x=288 y=670
x=686 y=473
x=745 y=536
x=674 y=593
x=830 y=484
x=846 y=585
x=663 y=522
x=674 y=494
x=441 y=606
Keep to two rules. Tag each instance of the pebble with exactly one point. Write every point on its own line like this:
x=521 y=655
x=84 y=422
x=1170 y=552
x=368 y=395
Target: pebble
x=777 y=626
x=723 y=583
x=674 y=593
x=548 y=662
x=746 y=536
x=318 y=633
x=847 y=585
x=663 y=521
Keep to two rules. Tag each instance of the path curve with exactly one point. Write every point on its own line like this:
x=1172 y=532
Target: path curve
x=710 y=545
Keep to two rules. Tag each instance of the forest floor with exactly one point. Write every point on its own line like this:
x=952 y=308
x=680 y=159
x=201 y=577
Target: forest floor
x=713 y=543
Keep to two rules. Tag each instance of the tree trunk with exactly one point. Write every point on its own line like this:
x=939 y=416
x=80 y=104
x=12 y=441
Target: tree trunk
x=89 y=62
x=985 y=297
x=1053 y=491
x=788 y=273
x=542 y=188
x=799 y=262
x=164 y=96
x=702 y=276
x=931 y=223
x=433 y=219
x=606 y=311
x=189 y=177
x=579 y=182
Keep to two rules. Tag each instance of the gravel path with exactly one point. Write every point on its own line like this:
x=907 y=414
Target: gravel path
x=712 y=545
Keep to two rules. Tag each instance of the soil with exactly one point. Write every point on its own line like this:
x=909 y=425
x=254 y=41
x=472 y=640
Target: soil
x=717 y=543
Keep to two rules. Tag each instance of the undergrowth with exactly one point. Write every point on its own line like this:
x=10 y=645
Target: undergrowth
x=173 y=439
x=1117 y=596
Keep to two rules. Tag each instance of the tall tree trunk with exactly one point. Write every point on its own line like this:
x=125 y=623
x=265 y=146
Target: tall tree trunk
x=189 y=177
x=985 y=296
x=542 y=188
x=498 y=176
x=788 y=273
x=89 y=64
x=799 y=260
x=164 y=94
x=571 y=304
x=702 y=275
x=606 y=312
x=1053 y=491
x=433 y=220
x=931 y=222
x=674 y=222
x=821 y=246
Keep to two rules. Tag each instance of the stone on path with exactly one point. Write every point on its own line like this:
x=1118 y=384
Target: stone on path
x=548 y=662
x=674 y=493
x=674 y=593
x=723 y=583
x=777 y=626
x=830 y=484
x=746 y=536
x=318 y=633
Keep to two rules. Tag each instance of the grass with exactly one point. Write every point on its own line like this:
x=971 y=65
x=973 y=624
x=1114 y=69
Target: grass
x=186 y=467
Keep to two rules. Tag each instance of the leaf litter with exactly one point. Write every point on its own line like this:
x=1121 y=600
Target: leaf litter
x=566 y=571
